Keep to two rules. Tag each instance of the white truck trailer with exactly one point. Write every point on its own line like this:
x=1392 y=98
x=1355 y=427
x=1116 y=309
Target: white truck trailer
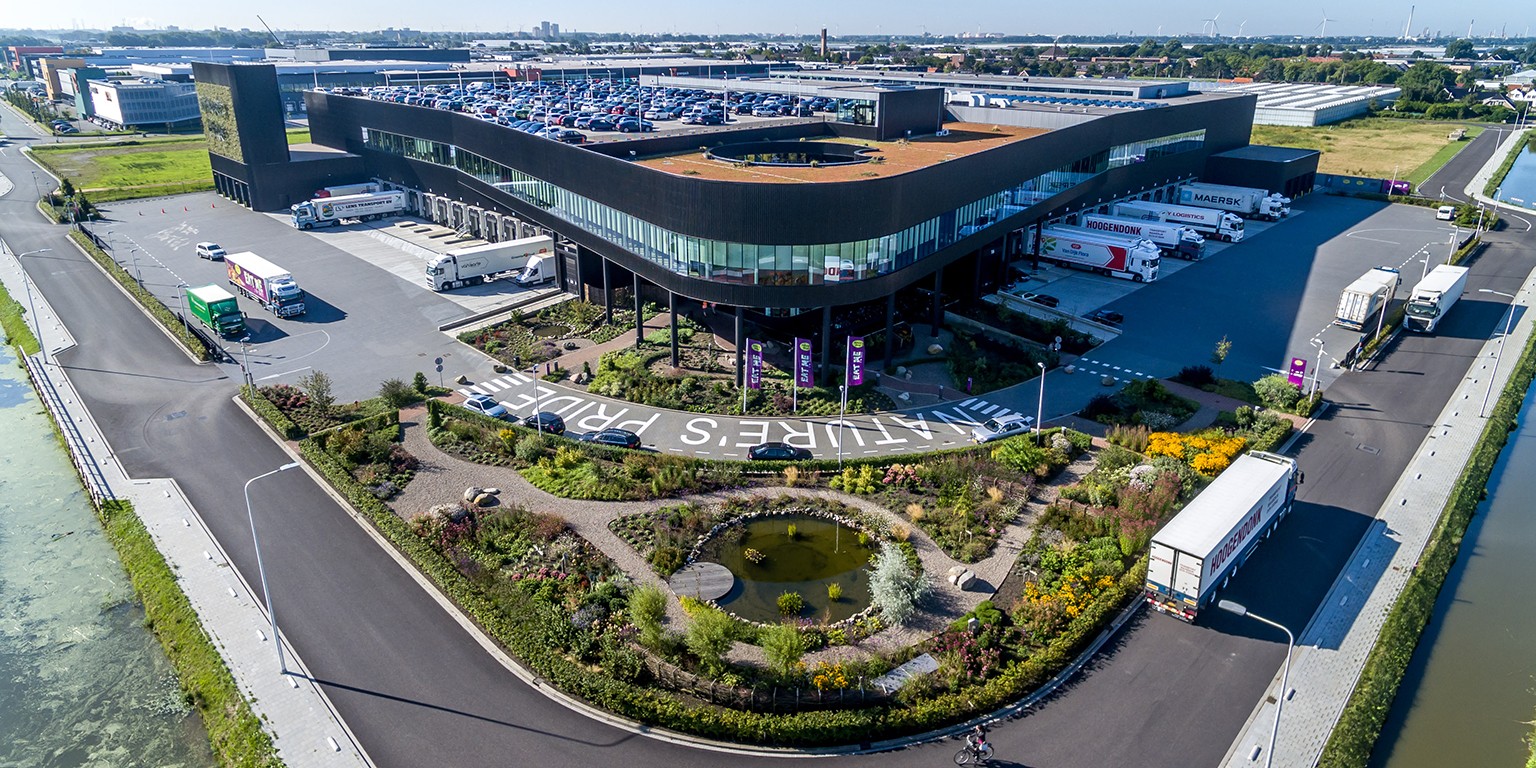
x=1433 y=297
x=1122 y=256
x=1175 y=240
x=482 y=263
x=266 y=283
x=1198 y=550
x=1207 y=221
x=1369 y=294
x=1249 y=202
x=330 y=211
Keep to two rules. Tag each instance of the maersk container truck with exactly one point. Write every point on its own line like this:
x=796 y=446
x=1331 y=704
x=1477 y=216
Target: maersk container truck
x=481 y=263
x=1249 y=202
x=330 y=211
x=217 y=309
x=1207 y=221
x=270 y=285
x=1372 y=292
x=1129 y=258
x=1198 y=550
x=1175 y=240
x=1433 y=297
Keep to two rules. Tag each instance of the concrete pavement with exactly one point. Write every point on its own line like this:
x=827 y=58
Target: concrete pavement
x=291 y=707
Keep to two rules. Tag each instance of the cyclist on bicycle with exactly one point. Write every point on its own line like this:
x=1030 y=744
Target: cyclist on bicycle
x=977 y=737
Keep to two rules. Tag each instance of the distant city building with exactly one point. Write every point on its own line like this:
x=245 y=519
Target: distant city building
x=142 y=102
x=16 y=56
x=49 y=69
x=1308 y=104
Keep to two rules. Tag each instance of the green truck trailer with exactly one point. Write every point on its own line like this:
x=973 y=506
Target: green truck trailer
x=217 y=309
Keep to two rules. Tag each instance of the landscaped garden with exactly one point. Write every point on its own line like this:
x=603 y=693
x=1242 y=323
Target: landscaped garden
x=525 y=340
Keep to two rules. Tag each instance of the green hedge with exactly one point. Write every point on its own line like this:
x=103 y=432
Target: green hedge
x=160 y=312
x=515 y=620
x=234 y=731
x=1497 y=178
x=271 y=414
x=1354 y=736
x=380 y=420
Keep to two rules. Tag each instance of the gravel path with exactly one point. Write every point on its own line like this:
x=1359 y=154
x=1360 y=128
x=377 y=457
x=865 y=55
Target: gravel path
x=442 y=478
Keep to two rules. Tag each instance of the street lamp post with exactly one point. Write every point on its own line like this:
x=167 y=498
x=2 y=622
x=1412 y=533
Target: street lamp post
x=1040 y=406
x=1509 y=319
x=537 y=408
x=1285 y=669
x=282 y=666
x=26 y=280
x=181 y=306
x=1317 y=370
x=245 y=360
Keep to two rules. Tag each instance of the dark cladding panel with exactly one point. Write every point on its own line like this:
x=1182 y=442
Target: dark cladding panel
x=914 y=112
x=242 y=111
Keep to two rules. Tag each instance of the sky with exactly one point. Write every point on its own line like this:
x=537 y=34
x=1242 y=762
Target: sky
x=849 y=17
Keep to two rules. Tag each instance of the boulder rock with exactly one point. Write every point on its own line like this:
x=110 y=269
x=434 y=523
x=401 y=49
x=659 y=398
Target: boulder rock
x=935 y=349
x=471 y=492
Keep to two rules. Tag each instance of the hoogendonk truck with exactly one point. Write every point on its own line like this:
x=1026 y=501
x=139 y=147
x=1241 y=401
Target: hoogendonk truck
x=1249 y=202
x=217 y=309
x=267 y=283
x=1122 y=256
x=330 y=211
x=1197 y=552
x=1207 y=221
x=481 y=263
x=1175 y=240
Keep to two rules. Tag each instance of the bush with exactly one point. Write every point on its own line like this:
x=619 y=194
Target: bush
x=647 y=608
x=1196 y=376
x=397 y=393
x=534 y=448
x=710 y=637
x=275 y=418
x=783 y=645
x=895 y=588
x=419 y=383
x=1276 y=391
x=791 y=604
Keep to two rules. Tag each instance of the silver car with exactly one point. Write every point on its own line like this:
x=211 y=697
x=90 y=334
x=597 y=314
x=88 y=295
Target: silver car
x=997 y=429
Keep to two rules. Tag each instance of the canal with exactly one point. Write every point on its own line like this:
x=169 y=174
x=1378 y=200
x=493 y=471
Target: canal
x=1519 y=185
x=1470 y=689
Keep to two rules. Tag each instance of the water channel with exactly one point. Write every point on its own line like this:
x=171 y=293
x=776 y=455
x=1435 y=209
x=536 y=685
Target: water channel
x=82 y=682
x=1519 y=185
x=1470 y=690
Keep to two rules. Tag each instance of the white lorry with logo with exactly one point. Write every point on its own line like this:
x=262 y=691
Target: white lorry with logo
x=482 y=263
x=1175 y=240
x=1207 y=221
x=330 y=211
x=1433 y=297
x=1249 y=202
x=1122 y=256
x=1198 y=550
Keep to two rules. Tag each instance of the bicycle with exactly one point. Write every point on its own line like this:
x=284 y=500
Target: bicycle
x=974 y=753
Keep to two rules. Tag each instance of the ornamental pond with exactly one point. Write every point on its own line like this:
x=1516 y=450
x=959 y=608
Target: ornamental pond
x=774 y=554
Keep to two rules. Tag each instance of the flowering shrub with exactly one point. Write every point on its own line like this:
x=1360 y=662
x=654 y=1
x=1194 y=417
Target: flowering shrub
x=753 y=556
x=904 y=475
x=965 y=656
x=829 y=676
x=1046 y=611
x=1208 y=452
x=859 y=481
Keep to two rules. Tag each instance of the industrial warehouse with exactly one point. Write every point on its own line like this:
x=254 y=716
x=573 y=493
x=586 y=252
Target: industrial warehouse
x=849 y=208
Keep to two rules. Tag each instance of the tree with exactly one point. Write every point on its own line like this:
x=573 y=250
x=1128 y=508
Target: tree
x=710 y=637
x=783 y=645
x=895 y=588
x=1219 y=354
x=317 y=385
x=1426 y=81
x=1460 y=49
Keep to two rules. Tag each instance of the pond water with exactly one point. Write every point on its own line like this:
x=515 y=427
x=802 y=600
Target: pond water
x=821 y=553
x=1519 y=186
x=549 y=331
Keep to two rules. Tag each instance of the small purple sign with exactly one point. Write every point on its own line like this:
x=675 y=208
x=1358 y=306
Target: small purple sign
x=1298 y=372
x=754 y=364
x=1395 y=187
x=804 y=369
x=855 y=361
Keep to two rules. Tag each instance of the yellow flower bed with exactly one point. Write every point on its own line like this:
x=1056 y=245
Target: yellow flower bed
x=1208 y=452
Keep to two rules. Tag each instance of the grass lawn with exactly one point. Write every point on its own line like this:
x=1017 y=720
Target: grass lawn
x=298 y=135
x=148 y=167
x=1374 y=147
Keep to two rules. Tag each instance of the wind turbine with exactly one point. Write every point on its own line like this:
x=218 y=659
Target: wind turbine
x=1322 y=26
x=1240 y=26
x=1210 y=24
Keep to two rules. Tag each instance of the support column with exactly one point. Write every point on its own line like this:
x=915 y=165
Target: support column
x=938 y=301
x=672 y=309
x=826 y=346
x=890 y=328
x=639 y=318
x=607 y=294
x=740 y=342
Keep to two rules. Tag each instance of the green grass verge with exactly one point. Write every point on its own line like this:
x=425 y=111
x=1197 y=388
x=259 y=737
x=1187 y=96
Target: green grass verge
x=13 y=321
x=298 y=136
x=1509 y=162
x=1359 y=726
x=234 y=731
x=160 y=312
x=1418 y=175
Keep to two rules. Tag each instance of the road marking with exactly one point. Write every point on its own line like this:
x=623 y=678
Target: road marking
x=987 y=411
x=494 y=386
x=520 y=379
x=465 y=392
x=967 y=402
x=280 y=375
x=477 y=390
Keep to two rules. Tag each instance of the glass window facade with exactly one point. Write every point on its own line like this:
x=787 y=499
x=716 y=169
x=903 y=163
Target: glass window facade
x=772 y=264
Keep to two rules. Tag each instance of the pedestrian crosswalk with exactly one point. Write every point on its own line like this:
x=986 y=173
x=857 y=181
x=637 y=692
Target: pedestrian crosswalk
x=1113 y=371
x=492 y=386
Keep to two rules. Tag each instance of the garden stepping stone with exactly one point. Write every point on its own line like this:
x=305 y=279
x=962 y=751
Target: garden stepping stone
x=892 y=681
x=702 y=581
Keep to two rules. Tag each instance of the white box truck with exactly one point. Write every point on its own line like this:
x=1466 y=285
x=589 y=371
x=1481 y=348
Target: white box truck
x=540 y=270
x=1372 y=292
x=268 y=284
x=1198 y=550
x=1249 y=202
x=1128 y=258
x=1207 y=221
x=1433 y=297
x=330 y=211
x=347 y=189
x=1175 y=240
x=482 y=263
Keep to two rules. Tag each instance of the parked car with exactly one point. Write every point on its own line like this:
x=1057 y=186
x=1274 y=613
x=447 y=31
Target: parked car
x=570 y=137
x=1043 y=299
x=488 y=406
x=997 y=429
x=1446 y=213
x=210 y=251
x=621 y=438
x=545 y=421
x=777 y=452
x=1106 y=317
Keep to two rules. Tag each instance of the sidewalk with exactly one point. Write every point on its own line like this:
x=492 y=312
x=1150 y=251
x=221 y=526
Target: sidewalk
x=1331 y=652
x=295 y=712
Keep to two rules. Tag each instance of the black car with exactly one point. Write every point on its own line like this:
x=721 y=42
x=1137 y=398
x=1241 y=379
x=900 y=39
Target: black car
x=777 y=452
x=569 y=137
x=1106 y=317
x=544 y=421
x=1043 y=299
x=619 y=438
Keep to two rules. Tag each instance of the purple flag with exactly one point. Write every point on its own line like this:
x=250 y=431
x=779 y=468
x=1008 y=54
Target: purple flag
x=754 y=364
x=1298 y=373
x=804 y=370
x=855 y=361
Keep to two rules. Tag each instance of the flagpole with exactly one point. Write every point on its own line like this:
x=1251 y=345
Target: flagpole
x=842 y=415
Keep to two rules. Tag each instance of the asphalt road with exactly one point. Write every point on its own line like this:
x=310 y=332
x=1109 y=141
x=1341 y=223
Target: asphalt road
x=1450 y=181
x=418 y=690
